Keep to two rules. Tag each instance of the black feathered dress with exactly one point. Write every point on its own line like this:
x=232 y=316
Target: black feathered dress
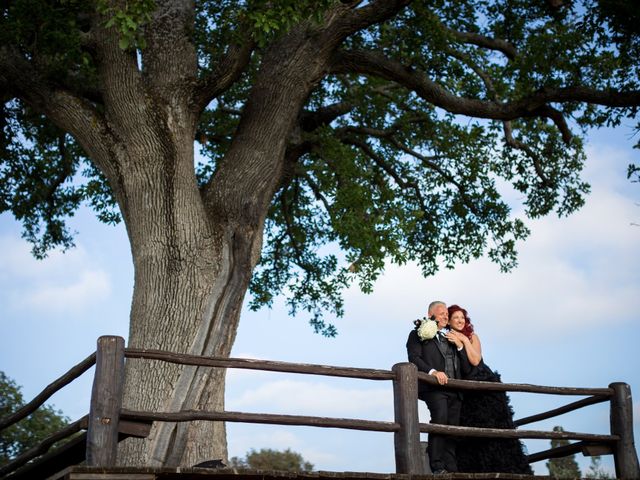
x=489 y=410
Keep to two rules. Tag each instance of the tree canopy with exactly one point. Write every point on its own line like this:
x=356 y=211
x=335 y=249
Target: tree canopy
x=295 y=147
x=269 y=459
x=423 y=113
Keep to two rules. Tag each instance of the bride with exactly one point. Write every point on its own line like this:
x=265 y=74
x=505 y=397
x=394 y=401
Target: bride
x=483 y=409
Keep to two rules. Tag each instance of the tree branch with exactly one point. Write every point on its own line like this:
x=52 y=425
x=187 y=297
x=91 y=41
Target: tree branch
x=377 y=132
x=485 y=42
x=484 y=76
x=226 y=73
x=355 y=19
x=429 y=163
x=300 y=144
x=544 y=111
x=288 y=220
x=310 y=120
x=293 y=153
x=64 y=108
x=375 y=12
x=317 y=192
x=556 y=117
x=514 y=143
x=384 y=165
x=60 y=178
x=387 y=135
x=377 y=65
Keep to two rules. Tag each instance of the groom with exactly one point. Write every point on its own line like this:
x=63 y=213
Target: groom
x=443 y=360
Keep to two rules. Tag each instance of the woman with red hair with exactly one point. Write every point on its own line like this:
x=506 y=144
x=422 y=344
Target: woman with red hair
x=462 y=333
x=483 y=409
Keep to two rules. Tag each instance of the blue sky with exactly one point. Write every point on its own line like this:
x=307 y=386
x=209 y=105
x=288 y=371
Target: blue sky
x=566 y=316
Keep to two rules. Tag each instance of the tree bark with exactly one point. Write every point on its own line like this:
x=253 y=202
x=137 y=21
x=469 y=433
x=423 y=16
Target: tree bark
x=194 y=256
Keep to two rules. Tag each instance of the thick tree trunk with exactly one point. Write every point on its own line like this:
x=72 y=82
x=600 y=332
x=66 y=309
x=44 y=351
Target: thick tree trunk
x=190 y=306
x=194 y=254
x=193 y=261
x=190 y=281
x=191 y=274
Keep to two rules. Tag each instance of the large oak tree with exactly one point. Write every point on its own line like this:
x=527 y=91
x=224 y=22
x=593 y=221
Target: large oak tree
x=381 y=128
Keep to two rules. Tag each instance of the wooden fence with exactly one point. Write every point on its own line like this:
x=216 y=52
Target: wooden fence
x=108 y=423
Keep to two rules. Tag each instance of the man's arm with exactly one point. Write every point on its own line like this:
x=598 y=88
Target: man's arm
x=414 y=351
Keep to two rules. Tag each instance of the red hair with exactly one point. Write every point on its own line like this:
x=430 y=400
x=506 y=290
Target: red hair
x=468 y=327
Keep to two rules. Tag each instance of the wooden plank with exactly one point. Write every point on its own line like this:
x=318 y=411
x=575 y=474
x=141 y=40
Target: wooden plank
x=248 y=474
x=128 y=428
x=299 y=420
x=106 y=402
x=73 y=452
x=110 y=476
x=409 y=458
x=362 y=373
x=254 y=364
x=587 y=449
x=596 y=450
x=70 y=453
x=561 y=410
x=43 y=446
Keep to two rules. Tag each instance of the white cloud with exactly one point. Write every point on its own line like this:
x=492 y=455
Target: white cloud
x=66 y=282
x=17 y=259
x=606 y=165
x=317 y=399
x=236 y=374
x=91 y=287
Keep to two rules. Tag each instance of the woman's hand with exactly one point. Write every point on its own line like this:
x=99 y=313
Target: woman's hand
x=455 y=337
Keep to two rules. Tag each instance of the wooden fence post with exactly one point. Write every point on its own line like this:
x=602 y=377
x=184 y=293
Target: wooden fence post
x=106 y=402
x=409 y=457
x=624 y=452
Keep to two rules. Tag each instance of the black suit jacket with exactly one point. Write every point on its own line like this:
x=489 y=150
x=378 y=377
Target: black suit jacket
x=428 y=355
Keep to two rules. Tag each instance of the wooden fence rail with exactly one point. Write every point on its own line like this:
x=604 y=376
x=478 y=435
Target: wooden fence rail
x=564 y=409
x=267 y=365
x=49 y=390
x=265 y=418
x=108 y=421
x=587 y=448
x=507 y=433
x=515 y=387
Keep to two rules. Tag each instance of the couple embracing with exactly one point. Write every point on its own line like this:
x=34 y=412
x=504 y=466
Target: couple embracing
x=445 y=346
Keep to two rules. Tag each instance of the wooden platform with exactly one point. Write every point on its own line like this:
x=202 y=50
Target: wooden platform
x=130 y=473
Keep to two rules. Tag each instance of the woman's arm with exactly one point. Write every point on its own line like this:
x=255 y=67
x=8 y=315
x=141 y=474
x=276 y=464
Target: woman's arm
x=474 y=350
x=471 y=346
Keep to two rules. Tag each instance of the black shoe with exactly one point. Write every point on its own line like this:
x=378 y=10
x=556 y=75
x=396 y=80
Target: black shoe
x=440 y=471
